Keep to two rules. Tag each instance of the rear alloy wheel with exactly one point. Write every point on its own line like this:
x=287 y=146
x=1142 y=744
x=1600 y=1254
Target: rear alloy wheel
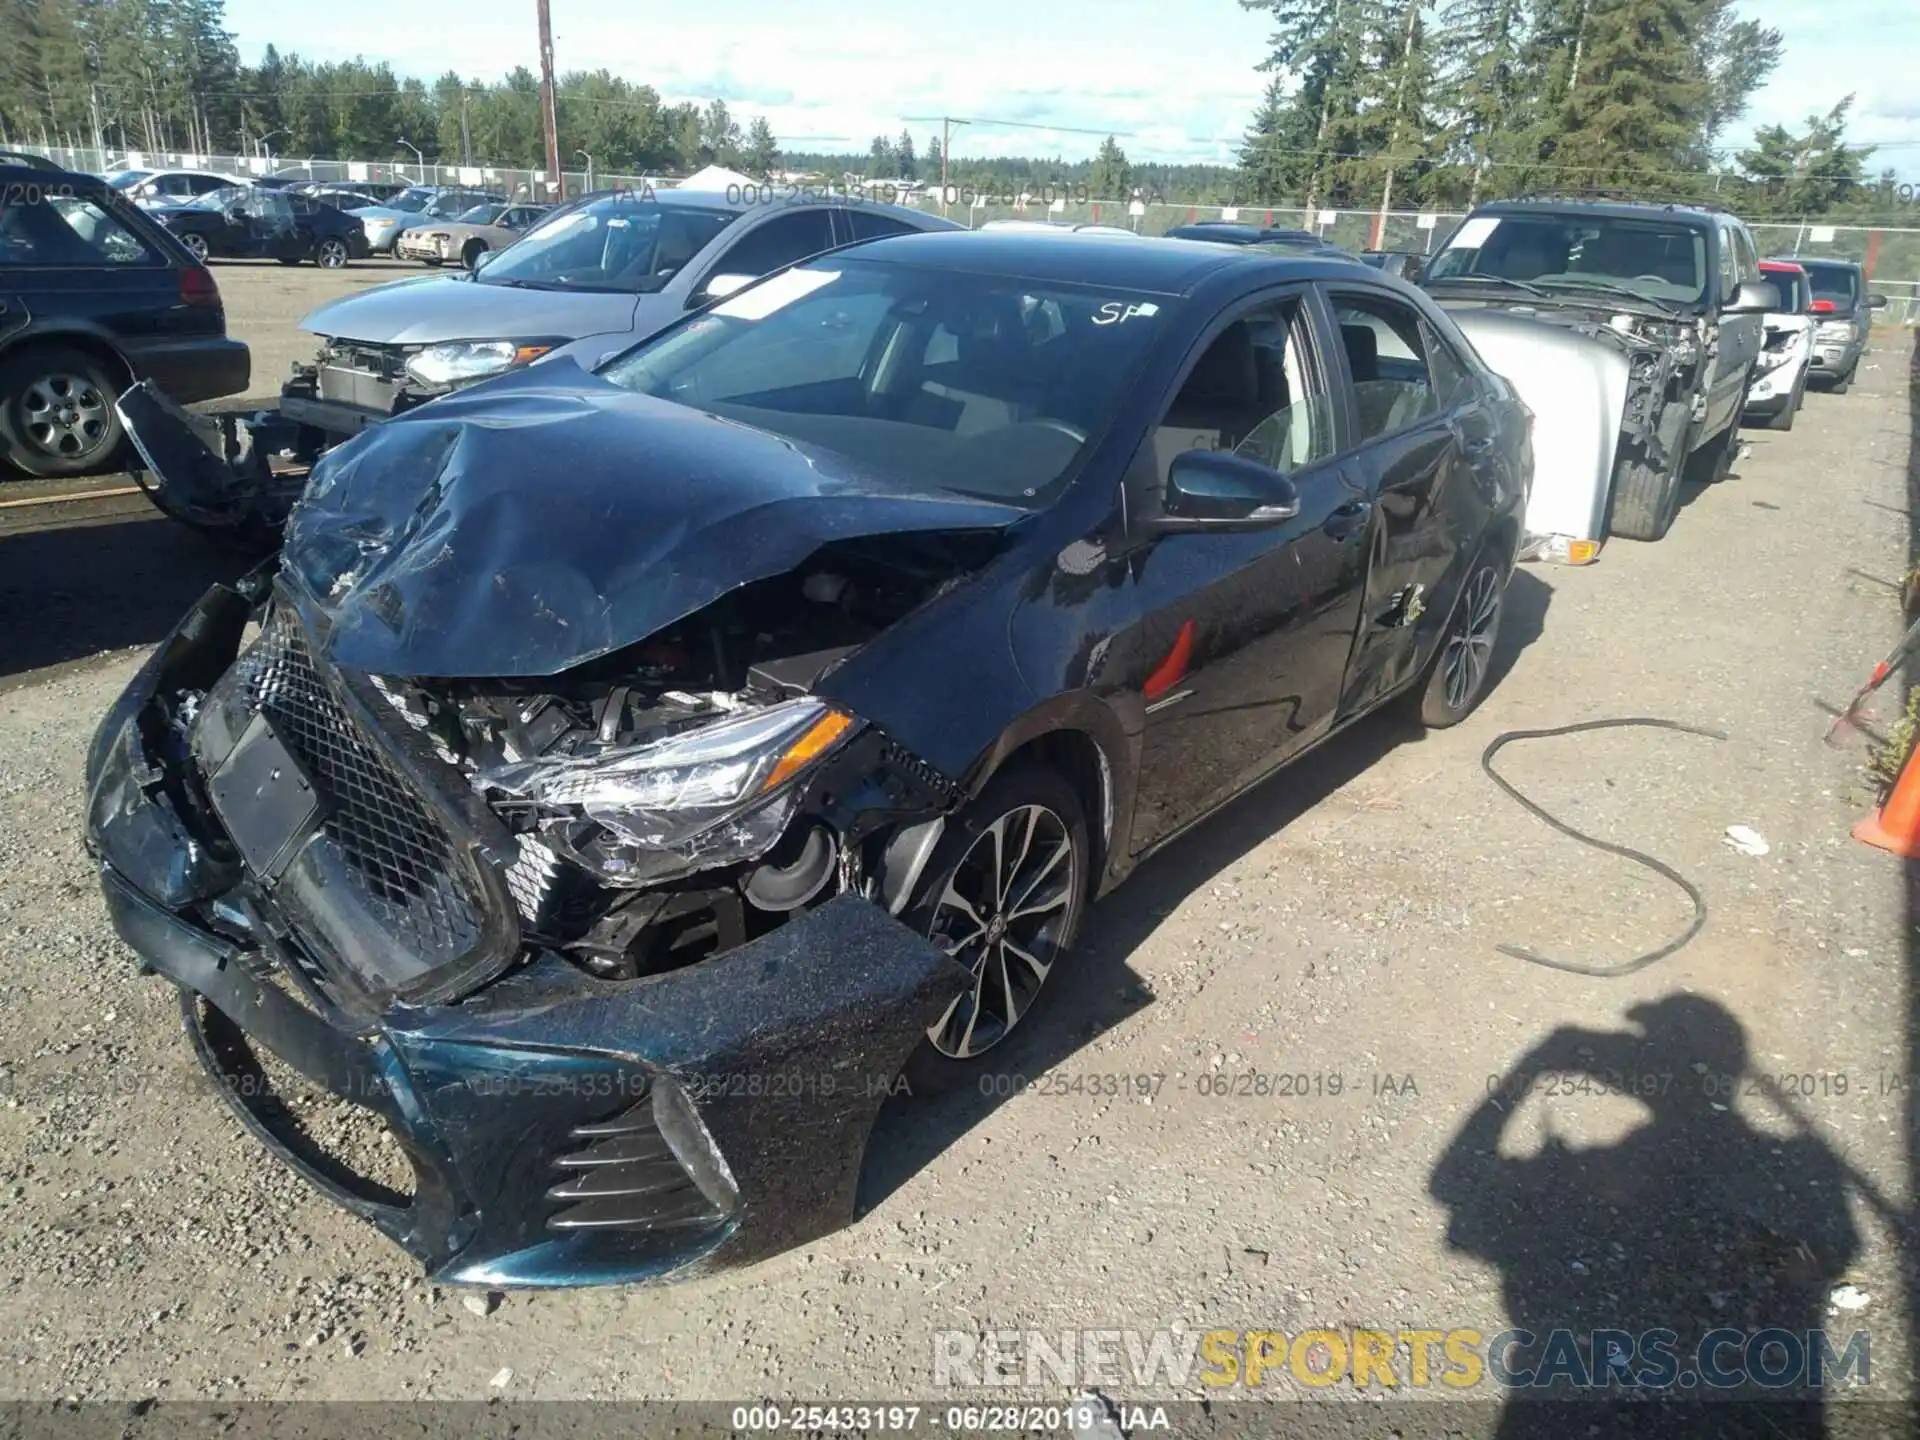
x=331 y=253
x=1461 y=670
x=1003 y=895
x=196 y=244
x=56 y=412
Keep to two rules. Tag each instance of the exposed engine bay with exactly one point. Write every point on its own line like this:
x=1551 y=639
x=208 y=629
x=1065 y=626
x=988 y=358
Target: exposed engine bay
x=649 y=789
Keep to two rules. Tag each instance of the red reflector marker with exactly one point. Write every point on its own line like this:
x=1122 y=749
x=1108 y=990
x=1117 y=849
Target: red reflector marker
x=1173 y=669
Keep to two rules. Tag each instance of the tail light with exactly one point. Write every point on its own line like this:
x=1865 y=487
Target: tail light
x=197 y=287
x=1824 y=307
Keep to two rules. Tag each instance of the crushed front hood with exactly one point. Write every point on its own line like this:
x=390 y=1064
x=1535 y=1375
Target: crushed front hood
x=537 y=521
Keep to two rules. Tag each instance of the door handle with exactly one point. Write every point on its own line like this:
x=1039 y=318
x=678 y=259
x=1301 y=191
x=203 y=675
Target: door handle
x=1348 y=519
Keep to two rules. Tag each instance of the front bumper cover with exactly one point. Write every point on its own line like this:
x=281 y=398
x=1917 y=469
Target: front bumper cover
x=560 y=1130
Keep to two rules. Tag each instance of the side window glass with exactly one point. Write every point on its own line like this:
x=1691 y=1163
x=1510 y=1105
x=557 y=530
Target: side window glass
x=1749 y=262
x=1729 y=273
x=205 y=184
x=1393 y=387
x=781 y=241
x=1452 y=381
x=66 y=230
x=1251 y=392
x=869 y=226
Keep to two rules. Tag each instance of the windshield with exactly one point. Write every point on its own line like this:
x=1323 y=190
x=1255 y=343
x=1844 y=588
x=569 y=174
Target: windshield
x=480 y=215
x=411 y=201
x=1838 y=283
x=1792 y=286
x=617 y=243
x=1667 y=263
x=988 y=385
x=127 y=179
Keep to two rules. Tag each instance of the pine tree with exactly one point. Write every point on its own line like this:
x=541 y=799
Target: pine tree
x=762 y=151
x=1112 y=176
x=905 y=167
x=1635 y=101
x=1480 y=86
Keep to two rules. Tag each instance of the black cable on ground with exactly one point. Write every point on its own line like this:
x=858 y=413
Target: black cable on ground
x=1574 y=967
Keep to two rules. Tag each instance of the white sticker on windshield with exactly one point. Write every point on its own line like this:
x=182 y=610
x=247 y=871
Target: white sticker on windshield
x=1117 y=312
x=775 y=294
x=1473 y=234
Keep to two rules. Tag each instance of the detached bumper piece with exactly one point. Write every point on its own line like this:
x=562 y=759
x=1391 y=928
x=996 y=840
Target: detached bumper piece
x=214 y=472
x=541 y=1128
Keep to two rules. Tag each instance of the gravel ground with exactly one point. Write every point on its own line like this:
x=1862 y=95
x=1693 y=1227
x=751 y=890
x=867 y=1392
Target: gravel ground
x=1338 y=925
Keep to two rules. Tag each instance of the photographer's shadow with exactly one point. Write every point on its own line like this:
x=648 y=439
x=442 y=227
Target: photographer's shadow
x=1693 y=1221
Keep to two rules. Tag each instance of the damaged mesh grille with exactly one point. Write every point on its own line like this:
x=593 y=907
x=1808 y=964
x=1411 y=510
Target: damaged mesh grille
x=397 y=854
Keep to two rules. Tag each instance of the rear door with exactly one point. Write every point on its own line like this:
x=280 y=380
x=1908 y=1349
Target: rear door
x=1419 y=428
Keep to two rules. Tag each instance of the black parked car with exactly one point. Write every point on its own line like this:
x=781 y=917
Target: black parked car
x=616 y=839
x=248 y=223
x=95 y=295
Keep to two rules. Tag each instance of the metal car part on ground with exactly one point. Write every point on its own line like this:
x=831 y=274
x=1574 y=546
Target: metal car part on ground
x=618 y=867
x=1675 y=291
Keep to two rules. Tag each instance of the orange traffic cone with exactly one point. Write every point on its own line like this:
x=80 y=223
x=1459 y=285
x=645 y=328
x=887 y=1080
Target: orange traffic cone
x=1896 y=826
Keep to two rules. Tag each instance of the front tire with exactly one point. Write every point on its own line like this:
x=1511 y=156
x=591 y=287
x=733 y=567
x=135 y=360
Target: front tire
x=1784 y=419
x=196 y=244
x=432 y=262
x=475 y=249
x=1457 y=681
x=1645 y=499
x=1843 y=383
x=57 y=416
x=1003 y=894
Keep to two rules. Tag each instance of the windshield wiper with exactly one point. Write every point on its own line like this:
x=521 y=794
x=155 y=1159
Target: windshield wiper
x=1612 y=287
x=1502 y=281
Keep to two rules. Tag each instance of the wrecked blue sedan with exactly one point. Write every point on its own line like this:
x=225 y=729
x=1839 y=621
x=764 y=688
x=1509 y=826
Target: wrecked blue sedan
x=620 y=779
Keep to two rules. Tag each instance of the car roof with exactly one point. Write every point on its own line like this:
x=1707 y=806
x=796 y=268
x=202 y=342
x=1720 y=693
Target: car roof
x=1156 y=264
x=1232 y=230
x=1688 y=215
x=1783 y=266
x=1803 y=261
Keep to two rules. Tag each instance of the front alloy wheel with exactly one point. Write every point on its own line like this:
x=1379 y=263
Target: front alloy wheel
x=196 y=244
x=1003 y=895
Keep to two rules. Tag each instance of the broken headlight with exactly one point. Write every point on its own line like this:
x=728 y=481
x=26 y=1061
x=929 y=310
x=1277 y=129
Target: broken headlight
x=635 y=814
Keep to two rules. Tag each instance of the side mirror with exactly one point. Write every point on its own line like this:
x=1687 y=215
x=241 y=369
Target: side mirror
x=1876 y=302
x=718 y=287
x=1755 y=297
x=1218 y=490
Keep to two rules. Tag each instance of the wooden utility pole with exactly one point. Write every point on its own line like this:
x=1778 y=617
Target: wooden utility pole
x=549 y=113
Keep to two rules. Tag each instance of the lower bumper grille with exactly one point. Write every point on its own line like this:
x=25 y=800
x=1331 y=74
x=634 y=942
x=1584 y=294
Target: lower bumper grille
x=626 y=1177
x=397 y=855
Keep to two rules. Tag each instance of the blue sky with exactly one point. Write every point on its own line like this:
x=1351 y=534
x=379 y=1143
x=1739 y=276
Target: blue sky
x=831 y=77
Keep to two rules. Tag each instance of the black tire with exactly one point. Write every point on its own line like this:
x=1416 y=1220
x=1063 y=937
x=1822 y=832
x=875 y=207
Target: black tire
x=196 y=244
x=1784 y=419
x=288 y=259
x=330 y=252
x=475 y=249
x=57 y=415
x=1713 y=461
x=1462 y=664
x=1842 y=383
x=432 y=262
x=951 y=1054
x=1645 y=500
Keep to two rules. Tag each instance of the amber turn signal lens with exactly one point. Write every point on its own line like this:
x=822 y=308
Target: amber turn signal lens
x=527 y=354
x=818 y=739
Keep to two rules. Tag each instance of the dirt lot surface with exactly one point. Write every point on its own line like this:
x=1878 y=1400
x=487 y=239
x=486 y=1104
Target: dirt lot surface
x=1312 y=976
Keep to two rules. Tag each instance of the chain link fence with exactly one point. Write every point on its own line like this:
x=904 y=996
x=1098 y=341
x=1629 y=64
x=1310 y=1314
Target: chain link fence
x=1890 y=253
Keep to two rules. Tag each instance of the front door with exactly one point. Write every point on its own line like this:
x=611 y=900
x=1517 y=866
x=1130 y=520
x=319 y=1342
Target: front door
x=1245 y=637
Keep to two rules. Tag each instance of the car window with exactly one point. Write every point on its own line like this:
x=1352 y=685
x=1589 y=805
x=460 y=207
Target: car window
x=201 y=184
x=849 y=355
x=616 y=244
x=37 y=229
x=1836 y=283
x=1729 y=269
x=1452 y=379
x=1573 y=252
x=1252 y=391
x=1387 y=358
x=777 y=243
x=1749 y=260
x=867 y=225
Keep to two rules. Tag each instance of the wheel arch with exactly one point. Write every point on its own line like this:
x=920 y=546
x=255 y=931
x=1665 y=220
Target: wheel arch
x=88 y=342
